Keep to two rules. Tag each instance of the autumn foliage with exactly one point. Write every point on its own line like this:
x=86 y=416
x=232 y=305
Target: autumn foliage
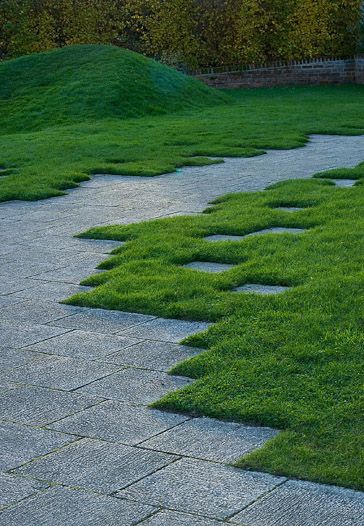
x=190 y=33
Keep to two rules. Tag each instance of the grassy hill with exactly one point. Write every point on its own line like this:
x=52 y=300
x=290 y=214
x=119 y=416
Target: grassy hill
x=92 y=82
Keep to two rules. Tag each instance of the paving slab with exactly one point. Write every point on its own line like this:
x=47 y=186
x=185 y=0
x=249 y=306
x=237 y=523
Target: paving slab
x=205 y=488
x=298 y=503
x=104 y=321
x=344 y=183
x=14 y=335
x=10 y=358
x=160 y=356
x=84 y=344
x=167 y=330
x=277 y=230
x=37 y=312
x=19 y=443
x=137 y=386
x=67 y=507
x=209 y=439
x=265 y=290
x=13 y=489
x=50 y=291
x=101 y=466
x=209 y=266
x=223 y=237
x=59 y=372
x=174 y=518
x=40 y=406
x=73 y=274
x=119 y=422
x=289 y=208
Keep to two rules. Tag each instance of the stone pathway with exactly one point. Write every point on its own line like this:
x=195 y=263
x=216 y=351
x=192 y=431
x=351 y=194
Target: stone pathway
x=78 y=445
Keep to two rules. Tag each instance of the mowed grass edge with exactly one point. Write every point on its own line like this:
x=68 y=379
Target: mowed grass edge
x=293 y=361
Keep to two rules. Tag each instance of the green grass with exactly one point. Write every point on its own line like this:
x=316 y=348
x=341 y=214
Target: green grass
x=69 y=113
x=294 y=361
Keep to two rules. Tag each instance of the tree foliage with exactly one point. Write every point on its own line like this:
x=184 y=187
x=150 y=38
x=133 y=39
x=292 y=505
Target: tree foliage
x=188 y=32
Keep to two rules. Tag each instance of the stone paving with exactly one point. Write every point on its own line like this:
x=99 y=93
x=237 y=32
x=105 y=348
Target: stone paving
x=78 y=444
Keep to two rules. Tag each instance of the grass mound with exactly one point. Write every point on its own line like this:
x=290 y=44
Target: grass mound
x=92 y=82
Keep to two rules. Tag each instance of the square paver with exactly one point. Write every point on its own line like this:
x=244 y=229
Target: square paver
x=15 y=335
x=222 y=237
x=136 y=386
x=73 y=274
x=156 y=355
x=59 y=372
x=205 y=488
x=96 y=465
x=19 y=444
x=84 y=344
x=209 y=266
x=210 y=439
x=264 y=290
x=119 y=422
x=100 y=320
x=167 y=330
x=298 y=503
x=174 y=518
x=68 y=507
x=13 y=489
x=39 y=406
x=36 y=312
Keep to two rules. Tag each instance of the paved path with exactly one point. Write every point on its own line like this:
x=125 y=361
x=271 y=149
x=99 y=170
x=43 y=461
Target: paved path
x=78 y=444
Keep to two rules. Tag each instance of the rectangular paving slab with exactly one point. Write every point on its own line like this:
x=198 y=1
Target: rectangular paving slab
x=14 y=489
x=50 y=291
x=298 y=503
x=265 y=290
x=210 y=439
x=68 y=507
x=167 y=330
x=223 y=237
x=84 y=344
x=209 y=266
x=277 y=230
x=10 y=358
x=59 y=372
x=174 y=518
x=19 y=443
x=96 y=465
x=15 y=335
x=135 y=385
x=106 y=321
x=119 y=422
x=344 y=183
x=205 y=488
x=36 y=312
x=156 y=355
x=39 y=406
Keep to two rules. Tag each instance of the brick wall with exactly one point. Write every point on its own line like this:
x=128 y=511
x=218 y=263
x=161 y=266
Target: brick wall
x=316 y=72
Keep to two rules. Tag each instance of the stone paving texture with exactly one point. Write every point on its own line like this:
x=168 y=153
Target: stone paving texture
x=261 y=289
x=78 y=444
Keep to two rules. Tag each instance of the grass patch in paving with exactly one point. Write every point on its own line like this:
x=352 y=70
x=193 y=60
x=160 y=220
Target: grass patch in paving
x=70 y=113
x=292 y=361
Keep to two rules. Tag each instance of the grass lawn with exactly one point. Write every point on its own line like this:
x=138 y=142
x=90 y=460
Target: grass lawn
x=293 y=361
x=72 y=112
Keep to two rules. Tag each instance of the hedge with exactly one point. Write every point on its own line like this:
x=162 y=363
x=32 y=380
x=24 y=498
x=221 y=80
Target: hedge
x=191 y=33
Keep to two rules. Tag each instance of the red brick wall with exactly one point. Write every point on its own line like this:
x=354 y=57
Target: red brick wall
x=335 y=71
